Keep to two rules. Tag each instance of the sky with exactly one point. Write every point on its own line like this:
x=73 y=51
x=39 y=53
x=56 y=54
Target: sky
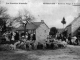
x=51 y=11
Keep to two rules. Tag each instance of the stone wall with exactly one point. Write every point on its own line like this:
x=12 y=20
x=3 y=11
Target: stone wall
x=42 y=32
x=75 y=25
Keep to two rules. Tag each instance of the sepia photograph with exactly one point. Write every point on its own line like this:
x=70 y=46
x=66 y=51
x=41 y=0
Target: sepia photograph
x=39 y=29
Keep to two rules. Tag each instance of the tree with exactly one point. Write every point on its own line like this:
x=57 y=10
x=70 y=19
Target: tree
x=63 y=21
x=53 y=31
x=3 y=18
x=24 y=17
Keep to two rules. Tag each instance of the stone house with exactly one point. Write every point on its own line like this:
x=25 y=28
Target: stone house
x=39 y=28
x=74 y=27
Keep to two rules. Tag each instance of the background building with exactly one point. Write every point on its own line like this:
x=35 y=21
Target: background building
x=73 y=27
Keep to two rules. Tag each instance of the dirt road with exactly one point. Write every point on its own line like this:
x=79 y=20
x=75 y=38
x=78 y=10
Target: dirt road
x=69 y=53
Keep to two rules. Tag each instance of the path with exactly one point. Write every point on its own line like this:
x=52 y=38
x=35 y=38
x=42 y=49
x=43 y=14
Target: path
x=69 y=53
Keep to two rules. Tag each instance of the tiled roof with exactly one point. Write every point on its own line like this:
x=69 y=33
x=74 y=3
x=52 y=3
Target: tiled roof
x=32 y=25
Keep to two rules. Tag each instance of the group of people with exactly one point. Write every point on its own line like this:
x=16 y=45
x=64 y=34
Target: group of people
x=28 y=36
x=69 y=39
x=10 y=37
x=73 y=40
x=15 y=36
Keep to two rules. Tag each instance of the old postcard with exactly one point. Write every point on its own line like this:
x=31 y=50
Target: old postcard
x=39 y=29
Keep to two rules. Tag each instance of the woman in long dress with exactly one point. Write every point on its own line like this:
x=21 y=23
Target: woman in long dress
x=13 y=37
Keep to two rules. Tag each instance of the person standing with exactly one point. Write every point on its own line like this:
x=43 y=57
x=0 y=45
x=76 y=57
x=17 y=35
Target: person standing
x=13 y=37
x=28 y=36
x=17 y=36
x=69 y=39
x=34 y=37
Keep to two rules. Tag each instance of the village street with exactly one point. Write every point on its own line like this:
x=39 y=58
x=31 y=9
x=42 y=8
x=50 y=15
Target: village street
x=69 y=53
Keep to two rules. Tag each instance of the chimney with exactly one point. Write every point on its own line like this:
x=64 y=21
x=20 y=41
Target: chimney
x=42 y=21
